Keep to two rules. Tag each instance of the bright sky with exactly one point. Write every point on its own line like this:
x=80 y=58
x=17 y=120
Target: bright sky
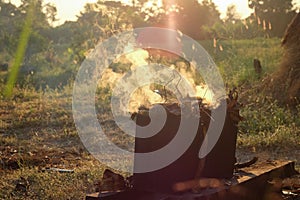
x=68 y=9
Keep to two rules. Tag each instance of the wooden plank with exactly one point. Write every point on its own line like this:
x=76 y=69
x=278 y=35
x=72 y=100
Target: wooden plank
x=253 y=183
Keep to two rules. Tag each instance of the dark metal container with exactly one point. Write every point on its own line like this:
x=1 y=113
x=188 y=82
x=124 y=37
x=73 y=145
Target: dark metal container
x=219 y=163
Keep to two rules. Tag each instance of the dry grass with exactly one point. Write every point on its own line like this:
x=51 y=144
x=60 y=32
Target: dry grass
x=37 y=131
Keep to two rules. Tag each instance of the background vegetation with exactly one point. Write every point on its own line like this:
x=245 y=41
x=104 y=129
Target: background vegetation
x=37 y=131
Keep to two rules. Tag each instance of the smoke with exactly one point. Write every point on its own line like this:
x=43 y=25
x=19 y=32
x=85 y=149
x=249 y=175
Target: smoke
x=109 y=78
x=201 y=90
x=147 y=95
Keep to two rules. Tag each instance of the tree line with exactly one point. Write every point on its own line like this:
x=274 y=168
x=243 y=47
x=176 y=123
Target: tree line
x=60 y=50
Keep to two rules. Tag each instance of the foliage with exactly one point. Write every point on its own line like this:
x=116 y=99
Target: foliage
x=190 y=16
x=232 y=27
x=9 y=15
x=237 y=29
x=276 y=12
x=60 y=50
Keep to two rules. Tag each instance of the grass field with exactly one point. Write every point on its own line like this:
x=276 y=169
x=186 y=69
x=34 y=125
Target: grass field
x=37 y=130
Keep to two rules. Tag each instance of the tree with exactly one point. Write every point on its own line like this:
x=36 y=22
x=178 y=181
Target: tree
x=277 y=13
x=190 y=16
x=233 y=27
x=231 y=14
x=10 y=27
x=98 y=21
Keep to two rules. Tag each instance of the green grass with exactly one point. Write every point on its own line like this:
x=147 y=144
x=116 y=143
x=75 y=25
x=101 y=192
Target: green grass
x=235 y=62
x=37 y=128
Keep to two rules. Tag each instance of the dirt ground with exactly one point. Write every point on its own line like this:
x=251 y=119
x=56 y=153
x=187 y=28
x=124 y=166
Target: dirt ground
x=38 y=137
